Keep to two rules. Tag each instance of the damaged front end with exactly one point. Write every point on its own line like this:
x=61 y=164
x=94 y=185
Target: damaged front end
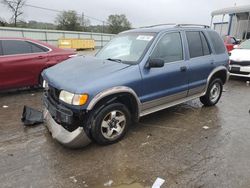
x=65 y=125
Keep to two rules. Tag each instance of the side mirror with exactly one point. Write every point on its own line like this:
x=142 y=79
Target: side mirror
x=236 y=46
x=238 y=41
x=155 y=63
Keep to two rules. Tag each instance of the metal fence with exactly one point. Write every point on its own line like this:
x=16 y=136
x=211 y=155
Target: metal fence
x=52 y=36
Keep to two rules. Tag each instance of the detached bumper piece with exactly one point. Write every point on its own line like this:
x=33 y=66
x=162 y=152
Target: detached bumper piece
x=74 y=139
x=31 y=116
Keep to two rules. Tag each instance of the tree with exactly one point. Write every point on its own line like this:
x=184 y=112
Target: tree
x=118 y=23
x=16 y=7
x=68 y=20
x=3 y=22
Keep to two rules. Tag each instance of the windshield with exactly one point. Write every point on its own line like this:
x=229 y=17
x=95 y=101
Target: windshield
x=245 y=45
x=127 y=47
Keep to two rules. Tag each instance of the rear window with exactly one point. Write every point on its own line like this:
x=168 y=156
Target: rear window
x=217 y=41
x=245 y=45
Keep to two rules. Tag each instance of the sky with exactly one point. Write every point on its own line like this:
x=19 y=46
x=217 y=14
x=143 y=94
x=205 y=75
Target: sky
x=138 y=12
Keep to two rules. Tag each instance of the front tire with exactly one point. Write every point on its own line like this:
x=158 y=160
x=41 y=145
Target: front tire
x=110 y=124
x=213 y=93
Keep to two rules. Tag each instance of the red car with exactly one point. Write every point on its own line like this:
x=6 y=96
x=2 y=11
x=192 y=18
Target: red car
x=22 y=61
x=229 y=42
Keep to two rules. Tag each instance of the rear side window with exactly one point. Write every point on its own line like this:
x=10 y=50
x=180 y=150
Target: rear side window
x=12 y=47
x=37 y=48
x=205 y=47
x=194 y=44
x=197 y=44
x=217 y=42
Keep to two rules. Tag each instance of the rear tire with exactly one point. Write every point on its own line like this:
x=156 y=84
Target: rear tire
x=110 y=124
x=213 y=93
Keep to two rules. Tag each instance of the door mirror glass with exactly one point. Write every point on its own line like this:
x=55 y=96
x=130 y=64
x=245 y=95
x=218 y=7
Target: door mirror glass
x=155 y=63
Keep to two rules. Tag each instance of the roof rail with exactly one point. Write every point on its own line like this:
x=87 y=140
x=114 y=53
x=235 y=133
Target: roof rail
x=177 y=25
x=158 y=25
x=190 y=25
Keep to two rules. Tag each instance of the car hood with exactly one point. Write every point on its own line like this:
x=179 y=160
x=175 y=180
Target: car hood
x=75 y=73
x=240 y=55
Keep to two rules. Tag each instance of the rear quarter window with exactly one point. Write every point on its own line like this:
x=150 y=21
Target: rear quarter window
x=217 y=42
x=36 y=48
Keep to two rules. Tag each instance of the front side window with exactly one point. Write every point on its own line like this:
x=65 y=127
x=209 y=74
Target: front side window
x=169 y=48
x=127 y=47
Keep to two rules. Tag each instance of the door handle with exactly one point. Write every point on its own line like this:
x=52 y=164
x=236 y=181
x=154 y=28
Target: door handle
x=41 y=57
x=183 y=69
x=212 y=62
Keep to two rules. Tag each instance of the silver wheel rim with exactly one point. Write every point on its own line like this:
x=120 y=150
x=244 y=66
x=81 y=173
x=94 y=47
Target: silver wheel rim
x=215 y=92
x=113 y=124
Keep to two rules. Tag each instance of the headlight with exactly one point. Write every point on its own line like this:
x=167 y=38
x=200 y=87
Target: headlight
x=45 y=85
x=71 y=98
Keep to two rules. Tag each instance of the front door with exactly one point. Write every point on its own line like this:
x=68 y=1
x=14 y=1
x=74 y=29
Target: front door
x=168 y=83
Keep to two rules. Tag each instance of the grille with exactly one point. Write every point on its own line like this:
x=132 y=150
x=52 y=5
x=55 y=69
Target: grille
x=243 y=63
x=54 y=93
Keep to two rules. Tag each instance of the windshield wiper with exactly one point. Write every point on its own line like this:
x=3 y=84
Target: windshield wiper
x=116 y=60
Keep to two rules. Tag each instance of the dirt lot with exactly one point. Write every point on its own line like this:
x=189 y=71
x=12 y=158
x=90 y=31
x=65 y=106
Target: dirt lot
x=171 y=144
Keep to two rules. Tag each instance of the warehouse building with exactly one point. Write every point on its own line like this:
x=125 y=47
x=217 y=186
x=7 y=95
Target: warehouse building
x=234 y=21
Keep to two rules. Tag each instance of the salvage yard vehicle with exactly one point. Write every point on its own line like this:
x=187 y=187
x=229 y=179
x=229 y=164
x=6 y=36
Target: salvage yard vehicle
x=240 y=60
x=23 y=60
x=230 y=42
x=139 y=72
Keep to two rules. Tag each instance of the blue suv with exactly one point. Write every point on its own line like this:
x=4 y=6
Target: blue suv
x=139 y=72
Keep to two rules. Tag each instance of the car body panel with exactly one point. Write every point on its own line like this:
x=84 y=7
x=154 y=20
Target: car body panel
x=240 y=63
x=229 y=42
x=21 y=70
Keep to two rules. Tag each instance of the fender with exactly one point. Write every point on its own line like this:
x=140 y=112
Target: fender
x=114 y=90
x=217 y=69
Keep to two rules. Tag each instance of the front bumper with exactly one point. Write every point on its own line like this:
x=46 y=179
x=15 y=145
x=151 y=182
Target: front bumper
x=73 y=139
x=241 y=71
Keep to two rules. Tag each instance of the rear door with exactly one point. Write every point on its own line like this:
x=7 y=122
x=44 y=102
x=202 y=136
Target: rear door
x=20 y=64
x=201 y=61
